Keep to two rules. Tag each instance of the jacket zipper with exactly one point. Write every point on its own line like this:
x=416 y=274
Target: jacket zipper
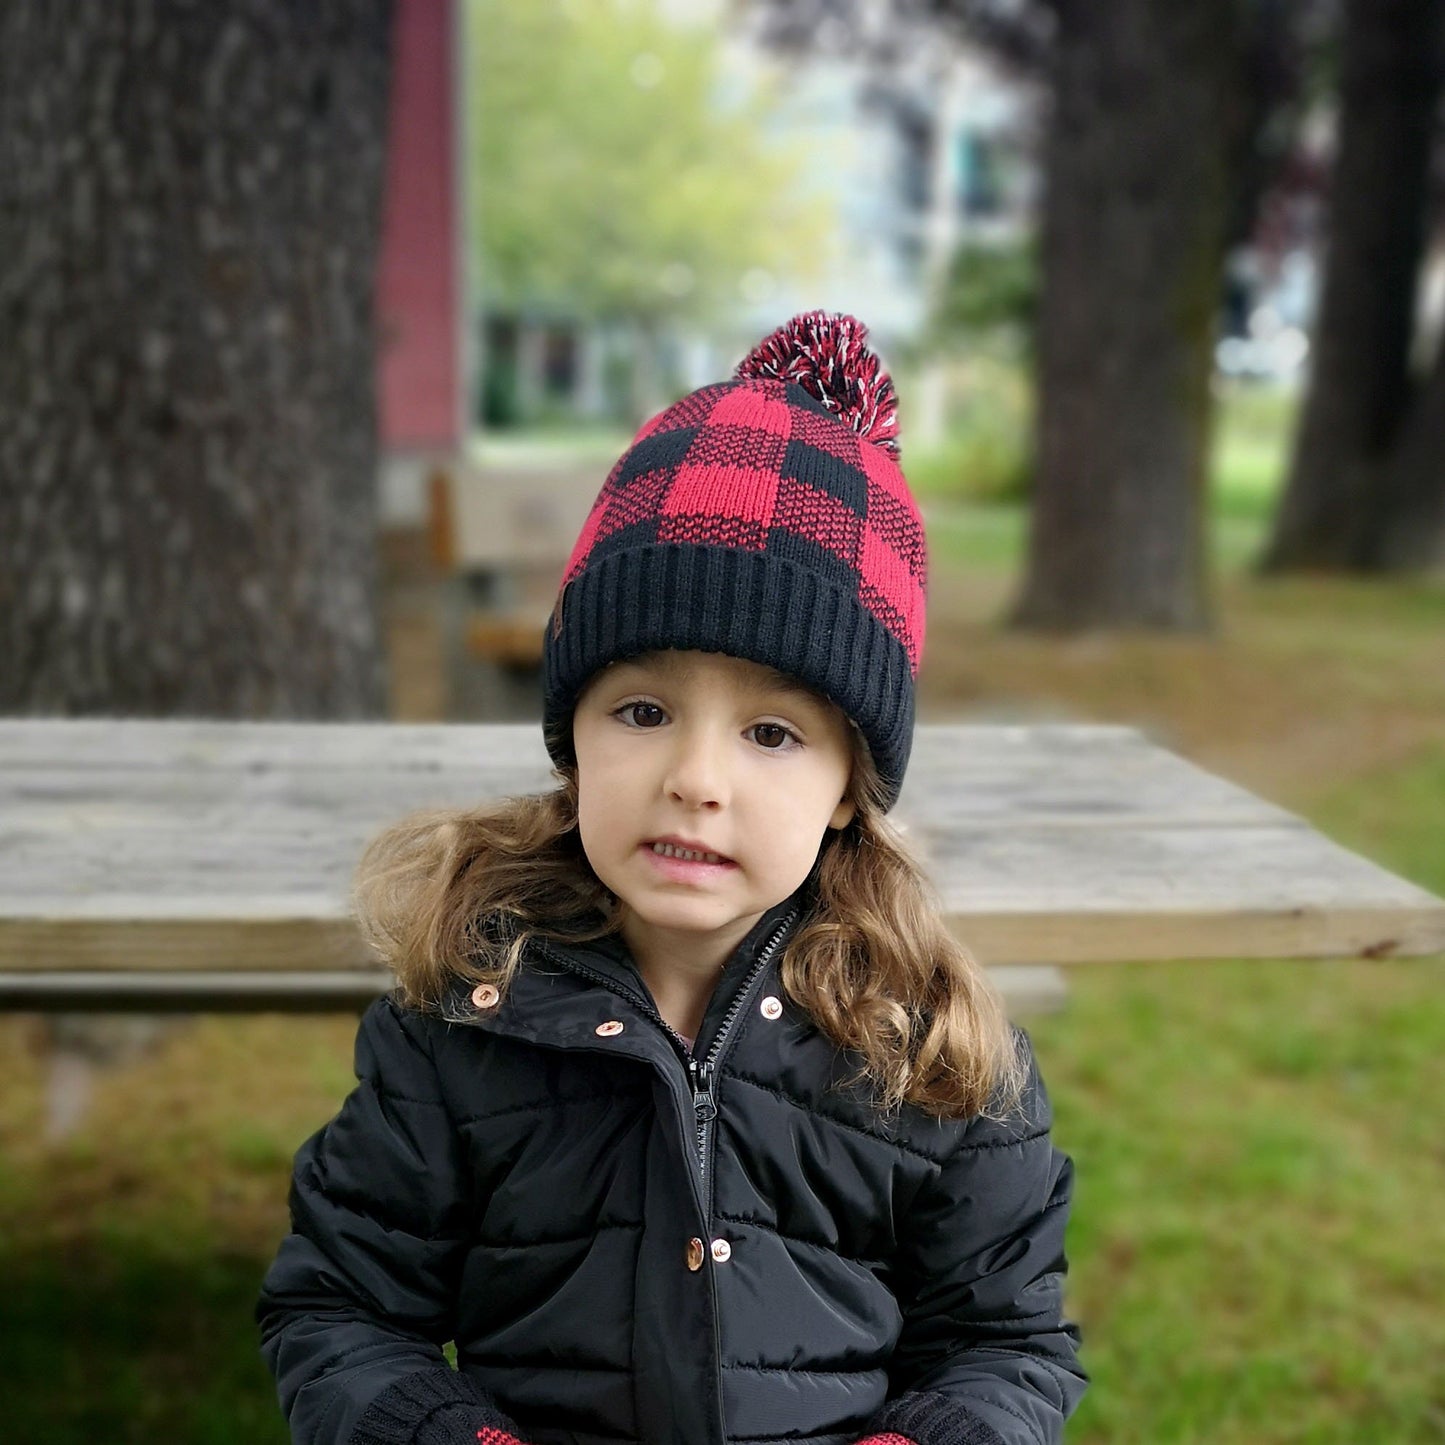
x=702 y=1074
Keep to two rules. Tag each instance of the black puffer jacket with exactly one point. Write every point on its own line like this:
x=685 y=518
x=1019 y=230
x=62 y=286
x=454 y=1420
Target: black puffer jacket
x=629 y=1244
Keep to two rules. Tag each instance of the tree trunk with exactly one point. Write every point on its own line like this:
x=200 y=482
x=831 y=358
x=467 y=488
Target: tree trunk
x=189 y=215
x=1406 y=530
x=1137 y=200
x=1360 y=384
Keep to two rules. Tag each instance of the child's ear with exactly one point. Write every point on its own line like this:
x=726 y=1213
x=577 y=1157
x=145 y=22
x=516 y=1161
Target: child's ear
x=843 y=814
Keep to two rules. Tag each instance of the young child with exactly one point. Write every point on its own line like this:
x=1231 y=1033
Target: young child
x=689 y=1122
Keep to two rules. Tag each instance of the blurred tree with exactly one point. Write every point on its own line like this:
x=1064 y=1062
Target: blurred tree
x=613 y=178
x=1366 y=488
x=1163 y=124
x=189 y=202
x=1406 y=530
x=1134 y=227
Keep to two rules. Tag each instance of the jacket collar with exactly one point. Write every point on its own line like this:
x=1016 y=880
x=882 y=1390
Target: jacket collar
x=534 y=1007
x=611 y=955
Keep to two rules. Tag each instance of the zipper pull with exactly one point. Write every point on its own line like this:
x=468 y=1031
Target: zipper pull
x=704 y=1106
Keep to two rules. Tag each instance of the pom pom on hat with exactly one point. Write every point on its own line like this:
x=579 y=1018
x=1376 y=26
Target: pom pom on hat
x=829 y=357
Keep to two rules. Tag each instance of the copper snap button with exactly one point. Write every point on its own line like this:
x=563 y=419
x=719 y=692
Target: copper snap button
x=694 y=1254
x=606 y=1031
x=772 y=1008
x=485 y=995
x=722 y=1251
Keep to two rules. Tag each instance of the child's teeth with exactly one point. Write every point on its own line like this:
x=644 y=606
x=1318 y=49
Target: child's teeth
x=670 y=851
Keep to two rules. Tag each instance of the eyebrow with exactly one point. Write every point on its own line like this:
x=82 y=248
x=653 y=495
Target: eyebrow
x=793 y=687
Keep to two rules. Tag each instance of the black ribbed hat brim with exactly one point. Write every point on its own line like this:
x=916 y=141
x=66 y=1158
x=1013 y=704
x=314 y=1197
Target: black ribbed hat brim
x=753 y=605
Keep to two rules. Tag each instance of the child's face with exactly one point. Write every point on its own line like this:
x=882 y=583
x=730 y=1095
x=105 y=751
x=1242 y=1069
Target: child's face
x=715 y=751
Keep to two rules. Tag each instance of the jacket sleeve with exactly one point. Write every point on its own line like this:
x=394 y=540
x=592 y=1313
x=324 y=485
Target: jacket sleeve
x=356 y=1306
x=985 y=1356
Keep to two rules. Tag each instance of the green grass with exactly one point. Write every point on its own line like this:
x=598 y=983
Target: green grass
x=1256 y=1251
x=968 y=535
x=588 y=446
x=1253 y=433
x=1395 y=815
x=993 y=535
x=135 y=1337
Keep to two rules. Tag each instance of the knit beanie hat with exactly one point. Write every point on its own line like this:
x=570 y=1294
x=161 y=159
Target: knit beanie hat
x=764 y=517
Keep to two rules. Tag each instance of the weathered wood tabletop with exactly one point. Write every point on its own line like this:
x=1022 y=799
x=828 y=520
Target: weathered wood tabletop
x=133 y=853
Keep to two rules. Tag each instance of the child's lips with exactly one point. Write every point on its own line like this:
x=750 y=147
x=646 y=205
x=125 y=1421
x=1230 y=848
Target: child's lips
x=687 y=869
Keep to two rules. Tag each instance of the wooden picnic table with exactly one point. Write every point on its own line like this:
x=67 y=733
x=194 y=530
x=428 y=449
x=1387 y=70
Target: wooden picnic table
x=207 y=864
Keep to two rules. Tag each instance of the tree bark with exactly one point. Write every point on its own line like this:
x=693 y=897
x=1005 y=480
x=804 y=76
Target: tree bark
x=1136 y=208
x=1333 y=514
x=1406 y=529
x=189 y=215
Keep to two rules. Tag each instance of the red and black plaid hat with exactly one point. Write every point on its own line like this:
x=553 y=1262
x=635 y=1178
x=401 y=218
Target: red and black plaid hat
x=764 y=517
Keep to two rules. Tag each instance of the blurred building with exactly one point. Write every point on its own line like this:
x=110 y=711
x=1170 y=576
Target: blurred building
x=914 y=156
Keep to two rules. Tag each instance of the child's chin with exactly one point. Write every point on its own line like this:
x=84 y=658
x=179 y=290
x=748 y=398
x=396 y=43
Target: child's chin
x=686 y=914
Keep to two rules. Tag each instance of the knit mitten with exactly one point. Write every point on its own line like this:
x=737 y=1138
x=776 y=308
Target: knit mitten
x=930 y=1416
x=434 y=1407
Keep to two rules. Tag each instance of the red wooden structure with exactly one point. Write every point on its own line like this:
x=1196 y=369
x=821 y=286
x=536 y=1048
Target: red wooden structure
x=421 y=289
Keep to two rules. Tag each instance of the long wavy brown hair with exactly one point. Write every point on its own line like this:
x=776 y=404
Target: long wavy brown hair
x=449 y=893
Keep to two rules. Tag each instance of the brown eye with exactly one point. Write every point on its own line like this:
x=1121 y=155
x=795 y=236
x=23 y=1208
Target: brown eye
x=772 y=735
x=651 y=709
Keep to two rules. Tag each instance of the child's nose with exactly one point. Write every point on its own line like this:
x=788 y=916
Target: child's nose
x=698 y=772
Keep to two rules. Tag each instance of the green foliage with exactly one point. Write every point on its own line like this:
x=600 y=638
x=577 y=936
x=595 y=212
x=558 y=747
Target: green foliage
x=985 y=456
x=984 y=460
x=990 y=288
x=610 y=173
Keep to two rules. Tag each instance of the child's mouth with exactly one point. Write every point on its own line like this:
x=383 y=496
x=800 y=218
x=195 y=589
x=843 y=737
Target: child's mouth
x=678 y=862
